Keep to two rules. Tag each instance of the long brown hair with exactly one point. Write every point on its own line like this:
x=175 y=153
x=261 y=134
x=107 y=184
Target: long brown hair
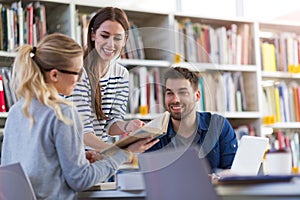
x=91 y=57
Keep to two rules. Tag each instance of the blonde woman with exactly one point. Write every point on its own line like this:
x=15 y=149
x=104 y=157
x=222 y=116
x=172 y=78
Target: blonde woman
x=43 y=131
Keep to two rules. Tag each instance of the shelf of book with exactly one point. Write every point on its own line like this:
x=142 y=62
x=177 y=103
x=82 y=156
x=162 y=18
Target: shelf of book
x=280 y=65
x=217 y=40
x=225 y=53
x=228 y=48
x=279 y=46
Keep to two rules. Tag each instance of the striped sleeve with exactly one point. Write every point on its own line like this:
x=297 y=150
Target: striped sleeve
x=81 y=97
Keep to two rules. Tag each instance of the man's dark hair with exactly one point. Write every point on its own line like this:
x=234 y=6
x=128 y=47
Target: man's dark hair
x=180 y=73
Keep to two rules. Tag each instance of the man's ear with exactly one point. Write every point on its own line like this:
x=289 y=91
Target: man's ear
x=198 y=95
x=53 y=75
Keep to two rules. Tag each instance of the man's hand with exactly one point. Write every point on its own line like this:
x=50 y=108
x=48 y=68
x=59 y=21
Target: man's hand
x=142 y=145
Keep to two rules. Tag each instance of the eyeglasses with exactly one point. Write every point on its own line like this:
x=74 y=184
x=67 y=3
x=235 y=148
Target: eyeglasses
x=68 y=72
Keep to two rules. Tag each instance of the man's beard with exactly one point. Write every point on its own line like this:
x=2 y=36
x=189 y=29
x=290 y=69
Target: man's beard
x=176 y=116
x=180 y=115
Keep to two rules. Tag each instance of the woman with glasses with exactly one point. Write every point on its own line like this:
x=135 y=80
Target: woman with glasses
x=43 y=131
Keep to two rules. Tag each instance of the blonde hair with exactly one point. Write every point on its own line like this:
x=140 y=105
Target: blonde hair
x=28 y=78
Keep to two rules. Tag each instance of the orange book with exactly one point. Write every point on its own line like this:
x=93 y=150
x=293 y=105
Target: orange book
x=295 y=92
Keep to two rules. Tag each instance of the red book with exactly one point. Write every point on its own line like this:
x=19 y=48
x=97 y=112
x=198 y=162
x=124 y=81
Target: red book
x=2 y=99
x=280 y=138
x=29 y=22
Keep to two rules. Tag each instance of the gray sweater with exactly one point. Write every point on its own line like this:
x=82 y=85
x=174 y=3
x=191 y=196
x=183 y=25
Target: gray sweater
x=52 y=153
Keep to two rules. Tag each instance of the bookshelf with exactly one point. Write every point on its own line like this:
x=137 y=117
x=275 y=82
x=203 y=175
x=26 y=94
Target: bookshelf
x=281 y=40
x=280 y=64
x=229 y=59
x=162 y=37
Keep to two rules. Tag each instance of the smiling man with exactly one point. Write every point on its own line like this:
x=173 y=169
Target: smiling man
x=212 y=133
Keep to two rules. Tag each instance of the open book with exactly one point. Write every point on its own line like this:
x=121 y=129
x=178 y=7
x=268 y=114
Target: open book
x=155 y=128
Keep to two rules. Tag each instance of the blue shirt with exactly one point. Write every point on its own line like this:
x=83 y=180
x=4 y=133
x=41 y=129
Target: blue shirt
x=215 y=137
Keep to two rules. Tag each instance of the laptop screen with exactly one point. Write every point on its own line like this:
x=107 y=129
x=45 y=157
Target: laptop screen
x=176 y=175
x=249 y=155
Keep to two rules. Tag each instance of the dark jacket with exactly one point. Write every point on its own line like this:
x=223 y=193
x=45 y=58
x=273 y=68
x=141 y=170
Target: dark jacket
x=215 y=137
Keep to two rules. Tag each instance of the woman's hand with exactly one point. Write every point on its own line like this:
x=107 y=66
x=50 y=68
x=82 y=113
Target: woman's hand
x=93 y=156
x=133 y=125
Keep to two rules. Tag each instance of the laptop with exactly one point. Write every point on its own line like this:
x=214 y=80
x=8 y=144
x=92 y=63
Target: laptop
x=249 y=155
x=176 y=175
x=247 y=162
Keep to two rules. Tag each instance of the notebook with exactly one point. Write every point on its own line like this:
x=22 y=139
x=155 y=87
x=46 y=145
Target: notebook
x=249 y=155
x=176 y=175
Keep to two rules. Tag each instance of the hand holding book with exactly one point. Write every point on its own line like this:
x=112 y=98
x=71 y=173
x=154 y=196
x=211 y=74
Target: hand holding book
x=132 y=125
x=150 y=131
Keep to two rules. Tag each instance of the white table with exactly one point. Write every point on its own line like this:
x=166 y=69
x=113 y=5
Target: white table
x=259 y=191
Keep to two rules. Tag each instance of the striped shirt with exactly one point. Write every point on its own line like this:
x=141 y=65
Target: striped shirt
x=114 y=90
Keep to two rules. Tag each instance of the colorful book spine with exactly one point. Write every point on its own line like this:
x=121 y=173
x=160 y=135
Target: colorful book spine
x=2 y=98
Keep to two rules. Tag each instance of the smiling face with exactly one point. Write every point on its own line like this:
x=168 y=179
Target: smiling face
x=109 y=40
x=180 y=98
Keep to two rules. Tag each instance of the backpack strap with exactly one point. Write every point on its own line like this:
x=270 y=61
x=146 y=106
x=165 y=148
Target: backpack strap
x=212 y=135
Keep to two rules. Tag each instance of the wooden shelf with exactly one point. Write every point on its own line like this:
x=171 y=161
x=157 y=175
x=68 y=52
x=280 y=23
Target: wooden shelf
x=217 y=67
x=8 y=54
x=152 y=63
x=284 y=125
x=244 y=115
x=280 y=75
x=3 y=114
